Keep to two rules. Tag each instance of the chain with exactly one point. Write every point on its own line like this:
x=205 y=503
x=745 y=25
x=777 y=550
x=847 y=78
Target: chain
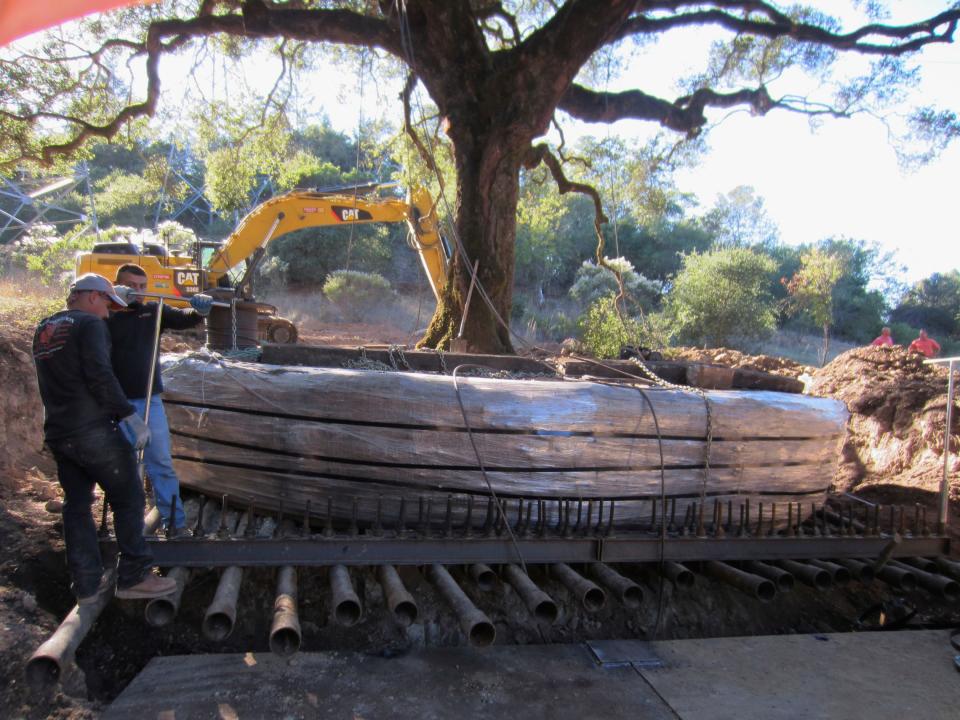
x=443 y=362
x=709 y=417
x=233 y=322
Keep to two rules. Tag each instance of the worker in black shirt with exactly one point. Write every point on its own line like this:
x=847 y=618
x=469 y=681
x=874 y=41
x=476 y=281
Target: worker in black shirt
x=83 y=403
x=132 y=330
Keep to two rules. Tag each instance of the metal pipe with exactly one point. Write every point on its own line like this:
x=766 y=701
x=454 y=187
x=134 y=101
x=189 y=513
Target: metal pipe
x=161 y=611
x=628 y=592
x=677 y=573
x=285 y=634
x=474 y=623
x=590 y=595
x=838 y=573
x=922 y=563
x=783 y=580
x=948 y=567
x=815 y=577
x=400 y=602
x=540 y=605
x=221 y=615
x=46 y=666
x=944 y=587
x=897 y=577
x=859 y=570
x=754 y=585
x=346 y=604
x=483 y=576
x=151 y=521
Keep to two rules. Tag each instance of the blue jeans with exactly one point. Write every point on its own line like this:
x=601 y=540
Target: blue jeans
x=156 y=457
x=100 y=456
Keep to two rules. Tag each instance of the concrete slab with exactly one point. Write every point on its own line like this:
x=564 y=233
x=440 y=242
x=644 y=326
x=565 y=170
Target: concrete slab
x=892 y=675
x=876 y=675
x=551 y=682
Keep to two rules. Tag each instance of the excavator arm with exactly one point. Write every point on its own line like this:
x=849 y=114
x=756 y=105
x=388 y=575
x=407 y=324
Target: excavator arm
x=305 y=208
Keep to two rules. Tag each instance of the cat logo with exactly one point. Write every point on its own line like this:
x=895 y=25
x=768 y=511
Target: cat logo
x=345 y=213
x=187 y=278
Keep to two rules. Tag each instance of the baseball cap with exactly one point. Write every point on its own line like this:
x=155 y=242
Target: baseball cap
x=92 y=281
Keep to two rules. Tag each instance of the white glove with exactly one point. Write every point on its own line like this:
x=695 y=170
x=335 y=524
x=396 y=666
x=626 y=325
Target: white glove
x=123 y=292
x=141 y=433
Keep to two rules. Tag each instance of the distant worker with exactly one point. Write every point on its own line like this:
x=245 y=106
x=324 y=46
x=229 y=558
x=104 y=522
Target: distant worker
x=82 y=403
x=925 y=345
x=885 y=339
x=132 y=330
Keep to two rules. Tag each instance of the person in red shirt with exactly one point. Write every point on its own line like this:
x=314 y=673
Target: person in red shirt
x=925 y=345
x=885 y=339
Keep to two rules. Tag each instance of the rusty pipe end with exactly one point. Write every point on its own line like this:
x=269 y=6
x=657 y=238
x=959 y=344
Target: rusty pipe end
x=43 y=672
x=482 y=633
x=406 y=613
x=593 y=599
x=285 y=641
x=765 y=590
x=217 y=626
x=347 y=612
x=546 y=611
x=160 y=612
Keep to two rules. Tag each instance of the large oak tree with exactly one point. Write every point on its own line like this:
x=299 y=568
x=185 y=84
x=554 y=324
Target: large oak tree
x=498 y=73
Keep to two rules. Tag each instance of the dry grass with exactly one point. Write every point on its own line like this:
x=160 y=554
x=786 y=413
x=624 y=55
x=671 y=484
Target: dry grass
x=24 y=302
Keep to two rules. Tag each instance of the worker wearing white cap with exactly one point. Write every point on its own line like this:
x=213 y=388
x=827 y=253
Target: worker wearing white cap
x=83 y=404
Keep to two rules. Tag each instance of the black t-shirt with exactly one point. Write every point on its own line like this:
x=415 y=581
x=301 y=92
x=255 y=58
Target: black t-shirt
x=132 y=331
x=71 y=350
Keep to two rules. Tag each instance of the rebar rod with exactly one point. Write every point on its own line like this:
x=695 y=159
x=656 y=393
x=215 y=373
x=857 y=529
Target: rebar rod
x=592 y=597
x=474 y=623
x=399 y=600
x=285 y=636
x=540 y=605
x=346 y=605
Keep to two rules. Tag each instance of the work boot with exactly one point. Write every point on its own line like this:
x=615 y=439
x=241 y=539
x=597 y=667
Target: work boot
x=101 y=589
x=152 y=586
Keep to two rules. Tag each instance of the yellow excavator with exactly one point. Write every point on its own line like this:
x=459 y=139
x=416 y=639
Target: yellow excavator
x=214 y=266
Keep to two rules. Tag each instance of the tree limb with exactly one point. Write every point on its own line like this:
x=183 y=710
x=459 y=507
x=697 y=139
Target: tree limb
x=779 y=25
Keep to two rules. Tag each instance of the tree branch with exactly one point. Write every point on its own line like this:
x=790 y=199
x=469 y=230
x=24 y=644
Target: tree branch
x=541 y=154
x=779 y=25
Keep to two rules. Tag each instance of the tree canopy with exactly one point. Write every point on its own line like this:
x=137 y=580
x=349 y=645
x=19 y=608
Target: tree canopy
x=498 y=73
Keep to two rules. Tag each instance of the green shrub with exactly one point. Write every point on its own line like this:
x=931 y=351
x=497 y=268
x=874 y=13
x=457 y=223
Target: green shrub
x=48 y=256
x=594 y=282
x=604 y=330
x=356 y=294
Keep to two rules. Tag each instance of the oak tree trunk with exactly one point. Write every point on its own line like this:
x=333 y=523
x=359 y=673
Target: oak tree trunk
x=488 y=184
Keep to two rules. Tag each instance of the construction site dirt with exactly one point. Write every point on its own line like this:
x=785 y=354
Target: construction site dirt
x=893 y=455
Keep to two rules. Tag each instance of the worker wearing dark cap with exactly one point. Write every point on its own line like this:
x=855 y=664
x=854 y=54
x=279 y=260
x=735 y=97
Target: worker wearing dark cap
x=132 y=332
x=83 y=407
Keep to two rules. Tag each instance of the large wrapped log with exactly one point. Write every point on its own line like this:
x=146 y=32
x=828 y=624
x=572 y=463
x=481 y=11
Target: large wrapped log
x=272 y=434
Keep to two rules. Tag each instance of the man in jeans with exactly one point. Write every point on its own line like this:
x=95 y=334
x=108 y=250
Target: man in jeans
x=83 y=403
x=132 y=330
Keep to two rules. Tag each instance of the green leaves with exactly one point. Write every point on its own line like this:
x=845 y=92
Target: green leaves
x=721 y=296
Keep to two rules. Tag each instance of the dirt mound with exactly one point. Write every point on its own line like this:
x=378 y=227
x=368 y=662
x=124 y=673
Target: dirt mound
x=898 y=415
x=737 y=359
x=21 y=414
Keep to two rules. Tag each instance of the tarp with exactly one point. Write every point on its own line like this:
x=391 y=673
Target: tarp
x=19 y=18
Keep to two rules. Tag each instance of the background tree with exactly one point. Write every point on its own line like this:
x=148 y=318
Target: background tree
x=811 y=290
x=738 y=219
x=722 y=296
x=933 y=304
x=497 y=73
